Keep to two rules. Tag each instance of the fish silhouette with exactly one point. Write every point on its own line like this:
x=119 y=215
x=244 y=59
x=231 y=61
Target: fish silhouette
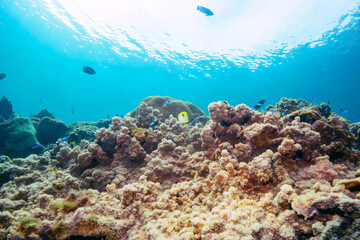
x=205 y=10
x=89 y=70
x=2 y=76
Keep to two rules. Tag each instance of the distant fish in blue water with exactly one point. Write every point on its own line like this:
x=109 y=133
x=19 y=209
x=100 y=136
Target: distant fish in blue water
x=36 y=146
x=108 y=116
x=328 y=102
x=64 y=139
x=355 y=116
x=89 y=70
x=167 y=103
x=205 y=10
x=2 y=76
x=313 y=98
x=343 y=111
x=259 y=104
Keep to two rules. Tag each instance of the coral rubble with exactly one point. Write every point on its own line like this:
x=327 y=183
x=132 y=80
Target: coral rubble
x=243 y=175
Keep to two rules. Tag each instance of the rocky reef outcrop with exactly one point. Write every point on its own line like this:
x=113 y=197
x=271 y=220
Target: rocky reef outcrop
x=243 y=175
x=167 y=106
x=6 y=111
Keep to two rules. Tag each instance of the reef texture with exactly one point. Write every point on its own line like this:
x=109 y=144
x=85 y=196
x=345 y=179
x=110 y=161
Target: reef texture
x=21 y=137
x=244 y=175
x=168 y=106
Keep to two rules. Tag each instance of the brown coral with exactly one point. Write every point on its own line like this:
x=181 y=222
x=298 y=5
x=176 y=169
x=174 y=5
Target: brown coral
x=245 y=175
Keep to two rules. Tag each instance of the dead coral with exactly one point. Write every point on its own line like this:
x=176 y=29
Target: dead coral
x=245 y=175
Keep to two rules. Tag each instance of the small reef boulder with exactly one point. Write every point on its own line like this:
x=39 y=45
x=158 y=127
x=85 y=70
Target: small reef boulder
x=287 y=106
x=82 y=131
x=44 y=113
x=169 y=106
x=6 y=111
x=18 y=137
x=49 y=130
x=35 y=120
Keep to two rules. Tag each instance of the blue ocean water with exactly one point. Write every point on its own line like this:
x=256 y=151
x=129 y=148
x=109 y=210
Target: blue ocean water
x=247 y=51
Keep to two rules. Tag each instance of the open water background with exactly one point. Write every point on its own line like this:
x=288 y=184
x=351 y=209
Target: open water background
x=249 y=50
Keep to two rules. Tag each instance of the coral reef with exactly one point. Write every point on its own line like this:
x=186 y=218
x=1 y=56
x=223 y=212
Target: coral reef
x=21 y=137
x=244 y=175
x=18 y=137
x=50 y=129
x=82 y=131
x=6 y=111
x=174 y=107
x=287 y=106
x=44 y=113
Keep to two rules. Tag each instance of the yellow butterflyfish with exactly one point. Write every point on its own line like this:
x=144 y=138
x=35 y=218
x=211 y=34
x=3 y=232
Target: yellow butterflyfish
x=183 y=117
x=134 y=131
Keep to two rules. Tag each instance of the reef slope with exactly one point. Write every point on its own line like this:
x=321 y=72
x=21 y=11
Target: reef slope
x=244 y=175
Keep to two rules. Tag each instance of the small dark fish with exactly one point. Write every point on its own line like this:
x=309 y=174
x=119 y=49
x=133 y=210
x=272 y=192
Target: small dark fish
x=355 y=116
x=121 y=116
x=343 y=111
x=284 y=112
x=117 y=115
x=154 y=123
x=2 y=76
x=89 y=70
x=72 y=109
x=259 y=104
x=313 y=98
x=64 y=139
x=328 y=102
x=205 y=10
x=108 y=116
x=167 y=103
x=36 y=146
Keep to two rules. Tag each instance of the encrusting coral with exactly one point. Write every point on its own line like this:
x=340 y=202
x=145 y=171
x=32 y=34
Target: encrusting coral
x=244 y=175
